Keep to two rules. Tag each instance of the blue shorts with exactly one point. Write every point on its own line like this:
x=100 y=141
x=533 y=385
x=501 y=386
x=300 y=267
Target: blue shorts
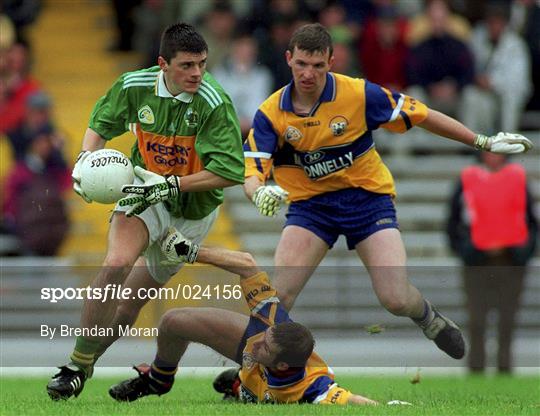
x=353 y=212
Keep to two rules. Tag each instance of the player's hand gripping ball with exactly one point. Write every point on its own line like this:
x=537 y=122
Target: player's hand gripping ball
x=103 y=173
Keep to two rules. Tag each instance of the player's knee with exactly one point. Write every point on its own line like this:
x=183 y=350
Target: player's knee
x=249 y=266
x=118 y=264
x=248 y=260
x=396 y=305
x=175 y=321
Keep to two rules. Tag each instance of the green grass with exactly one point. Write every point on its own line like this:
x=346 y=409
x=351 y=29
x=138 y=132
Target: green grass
x=434 y=395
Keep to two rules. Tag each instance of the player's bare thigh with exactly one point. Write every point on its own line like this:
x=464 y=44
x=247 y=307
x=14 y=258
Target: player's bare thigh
x=382 y=248
x=383 y=254
x=219 y=329
x=298 y=254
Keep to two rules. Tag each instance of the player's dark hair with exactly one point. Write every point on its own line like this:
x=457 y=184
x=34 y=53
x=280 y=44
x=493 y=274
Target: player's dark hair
x=312 y=38
x=180 y=37
x=295 y=341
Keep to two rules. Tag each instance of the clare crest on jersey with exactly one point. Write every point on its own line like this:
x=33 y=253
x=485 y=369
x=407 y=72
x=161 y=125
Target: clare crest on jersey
x=292 y=134
x=146 y=115
x=338 y=125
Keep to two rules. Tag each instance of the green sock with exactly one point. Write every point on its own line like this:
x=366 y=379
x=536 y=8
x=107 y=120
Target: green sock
x=84 y=352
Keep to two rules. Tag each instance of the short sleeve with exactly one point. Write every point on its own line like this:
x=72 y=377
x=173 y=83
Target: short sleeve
x=392 y=110
x=262 y=299
x=260 y=146
x=325 y=391
x=220 y=143
x=109 y=117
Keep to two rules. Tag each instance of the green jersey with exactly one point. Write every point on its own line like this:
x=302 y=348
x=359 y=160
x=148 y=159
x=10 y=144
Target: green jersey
x=175 y=135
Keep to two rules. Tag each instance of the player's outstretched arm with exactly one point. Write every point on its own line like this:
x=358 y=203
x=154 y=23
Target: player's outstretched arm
x=178 y=249
x=445 y=126
x=237 y=262
x=357 y=399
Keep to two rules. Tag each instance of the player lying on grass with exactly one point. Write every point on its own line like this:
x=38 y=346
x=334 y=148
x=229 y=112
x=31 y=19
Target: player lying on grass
x=278 y=364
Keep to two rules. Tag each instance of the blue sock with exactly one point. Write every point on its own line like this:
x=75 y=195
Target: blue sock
x=162 y=371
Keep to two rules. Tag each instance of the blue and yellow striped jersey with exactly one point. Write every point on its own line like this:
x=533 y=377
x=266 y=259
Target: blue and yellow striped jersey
x=331 y=148
x=312 y=384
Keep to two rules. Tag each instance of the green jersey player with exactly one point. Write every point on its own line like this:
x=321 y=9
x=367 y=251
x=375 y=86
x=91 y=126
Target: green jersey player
x=188 y=148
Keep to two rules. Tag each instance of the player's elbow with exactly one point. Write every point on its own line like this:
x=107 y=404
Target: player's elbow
x=248 y=260
x=248 y=265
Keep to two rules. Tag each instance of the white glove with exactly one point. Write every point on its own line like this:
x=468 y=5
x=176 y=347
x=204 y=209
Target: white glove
x=76 y=174
x=155 y=188
x=268 y=199
x=178 y=249
x=503 y=143
x=398 y=403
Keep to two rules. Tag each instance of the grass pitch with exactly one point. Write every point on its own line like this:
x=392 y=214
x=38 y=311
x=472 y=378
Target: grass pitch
x=433 y=395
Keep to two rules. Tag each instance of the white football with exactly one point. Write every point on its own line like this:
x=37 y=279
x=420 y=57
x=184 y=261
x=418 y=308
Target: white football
x=103 y=173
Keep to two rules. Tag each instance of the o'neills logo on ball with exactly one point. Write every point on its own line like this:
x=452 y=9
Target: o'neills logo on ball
x=292 y=134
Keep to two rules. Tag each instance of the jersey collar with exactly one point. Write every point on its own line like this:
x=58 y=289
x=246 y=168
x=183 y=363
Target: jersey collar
x=163 y=92
x=328 y=93
x=278 y=381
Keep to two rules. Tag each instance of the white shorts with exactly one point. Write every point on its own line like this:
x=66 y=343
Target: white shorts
x=158 y=220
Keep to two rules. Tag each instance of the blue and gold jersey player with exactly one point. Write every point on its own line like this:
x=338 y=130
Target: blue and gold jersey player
x=316 y=136
x=278 y=364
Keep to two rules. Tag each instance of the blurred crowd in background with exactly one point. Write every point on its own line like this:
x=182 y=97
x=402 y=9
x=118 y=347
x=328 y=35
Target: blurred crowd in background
x=457 y=55
x=477 y=60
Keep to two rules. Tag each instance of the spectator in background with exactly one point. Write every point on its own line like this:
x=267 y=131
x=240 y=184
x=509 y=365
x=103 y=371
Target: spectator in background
x=422 y=27
x=439 y=67
x=37 y=114
x=218 y=30
x=18 y=86
x=334 y=18
x=124 y=16
x=503 y=78
x=531 y=33
x=382 y=49
x=344 y=62
x=273 y=50
x=150 y=17
x=22 y=13
x=247 y=83
x=492 y=225
x=33 y=205
x=7 y=35
x=525 y=20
